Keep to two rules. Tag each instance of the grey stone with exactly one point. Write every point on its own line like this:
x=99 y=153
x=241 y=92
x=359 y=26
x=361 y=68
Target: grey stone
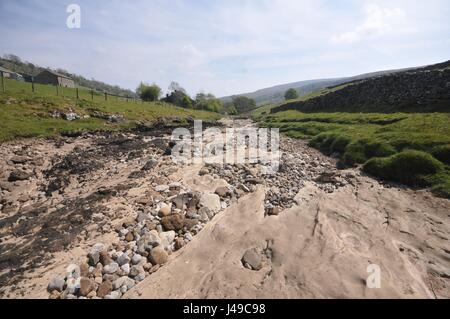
x=111 y=268
x=136 y=259
x=125 y=269
x=136 y=270
x=140 y=277
x=73 y=271
x=57 y=283
x=252 y=258
x=167 y=238
x=210 y=201
x=161 y=188
x=94 y=253
x=142 y=217
x=123 y=259
x=180 y=200
x=73 y=285
x=114 y=295
x=123 y=281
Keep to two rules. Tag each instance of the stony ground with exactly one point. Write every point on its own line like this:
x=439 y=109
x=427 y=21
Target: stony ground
x=111 y=216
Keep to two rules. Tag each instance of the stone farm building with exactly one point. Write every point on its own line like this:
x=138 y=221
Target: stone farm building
x=50 y=77
x=10 y=74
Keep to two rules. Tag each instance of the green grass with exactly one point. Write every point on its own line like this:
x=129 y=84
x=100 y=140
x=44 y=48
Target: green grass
x=409 y=167
x=358 y=138
x=27 y=114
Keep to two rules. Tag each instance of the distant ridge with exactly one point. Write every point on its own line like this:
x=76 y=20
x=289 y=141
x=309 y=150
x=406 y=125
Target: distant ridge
x=275 y=94
x=423 y=89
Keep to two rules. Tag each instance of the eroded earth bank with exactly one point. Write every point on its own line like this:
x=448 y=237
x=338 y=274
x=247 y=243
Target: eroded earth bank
x=111 y=216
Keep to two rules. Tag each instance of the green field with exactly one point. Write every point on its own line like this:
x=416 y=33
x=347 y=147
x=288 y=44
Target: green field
x=27 y=114
x=360 y=138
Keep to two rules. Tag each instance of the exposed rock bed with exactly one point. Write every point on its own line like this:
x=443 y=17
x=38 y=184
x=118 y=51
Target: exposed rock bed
x=99 y=215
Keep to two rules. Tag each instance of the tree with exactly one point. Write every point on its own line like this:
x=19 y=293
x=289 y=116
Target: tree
x=291 y=94
x=178 y=98
x=243 y=104
x=230 y=109
x=175 y=86
x=208 y=102
x=12 y=58
x=148 y=92
x=187 y=102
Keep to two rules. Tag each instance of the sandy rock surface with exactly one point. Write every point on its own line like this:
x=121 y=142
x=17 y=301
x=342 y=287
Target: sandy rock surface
x=111 y=216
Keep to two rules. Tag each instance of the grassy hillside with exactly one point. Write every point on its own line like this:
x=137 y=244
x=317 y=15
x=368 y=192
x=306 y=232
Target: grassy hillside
x=275 y=94
x=265 y=109
x=410 y=91
x=382 y=142
x=15 y=64
x=27 y=114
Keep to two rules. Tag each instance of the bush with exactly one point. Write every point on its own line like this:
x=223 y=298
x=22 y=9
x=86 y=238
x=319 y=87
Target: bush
x=442 y=153
x=340 y=144
x=322 y=141
x=354 y=153
x=291 y=94
x=408 y=167
x=378 y=149
x=148 y=92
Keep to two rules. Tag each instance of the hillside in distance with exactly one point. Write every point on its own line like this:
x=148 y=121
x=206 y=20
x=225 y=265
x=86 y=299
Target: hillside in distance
x=275 y=94
x=424 y=89
x=14 y=63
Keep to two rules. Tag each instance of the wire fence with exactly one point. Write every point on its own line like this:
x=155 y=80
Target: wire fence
x=9 y=84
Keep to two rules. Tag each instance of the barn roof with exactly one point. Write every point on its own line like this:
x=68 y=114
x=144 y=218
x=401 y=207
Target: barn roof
x=6 y=70
x=57 y=74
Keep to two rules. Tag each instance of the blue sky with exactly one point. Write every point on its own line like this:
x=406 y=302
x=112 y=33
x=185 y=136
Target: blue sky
x=228 y=46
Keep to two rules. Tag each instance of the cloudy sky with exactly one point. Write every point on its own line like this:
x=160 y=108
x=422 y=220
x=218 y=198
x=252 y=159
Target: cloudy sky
x=227 y=46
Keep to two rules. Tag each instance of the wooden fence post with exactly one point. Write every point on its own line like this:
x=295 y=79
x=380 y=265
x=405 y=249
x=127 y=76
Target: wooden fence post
x=77 y=93
x=92 y=95
x=106 y=96
x=3 y=82
x=32 y=85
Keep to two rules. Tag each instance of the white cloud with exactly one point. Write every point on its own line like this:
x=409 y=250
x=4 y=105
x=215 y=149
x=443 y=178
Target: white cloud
x=378 y=22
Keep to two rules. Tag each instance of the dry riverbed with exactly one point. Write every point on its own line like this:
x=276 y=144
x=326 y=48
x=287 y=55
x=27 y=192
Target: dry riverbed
x=111 y=216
